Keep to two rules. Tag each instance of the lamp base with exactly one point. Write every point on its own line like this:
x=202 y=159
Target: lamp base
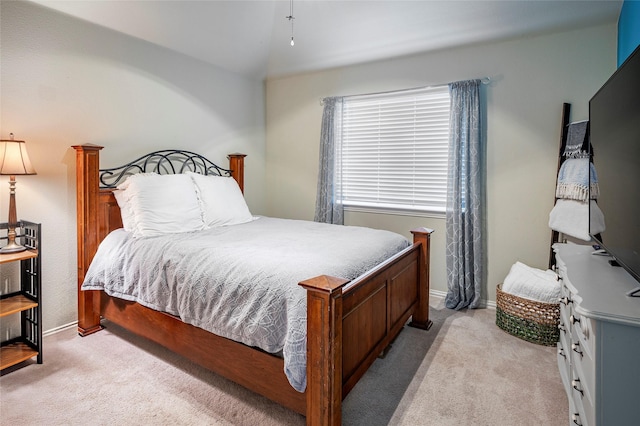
x=12 y=247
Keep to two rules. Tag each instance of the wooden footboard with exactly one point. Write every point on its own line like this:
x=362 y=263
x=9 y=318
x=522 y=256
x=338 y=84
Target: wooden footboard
x=348 y=323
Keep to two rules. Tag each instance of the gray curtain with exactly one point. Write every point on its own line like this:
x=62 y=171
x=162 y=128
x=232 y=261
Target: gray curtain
x=329 y=207
x=464 y=198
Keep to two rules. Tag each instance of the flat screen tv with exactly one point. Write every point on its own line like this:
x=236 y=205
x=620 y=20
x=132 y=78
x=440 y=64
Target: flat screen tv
x=614 y=119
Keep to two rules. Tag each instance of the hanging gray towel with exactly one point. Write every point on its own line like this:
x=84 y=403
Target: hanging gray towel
x=576 y=136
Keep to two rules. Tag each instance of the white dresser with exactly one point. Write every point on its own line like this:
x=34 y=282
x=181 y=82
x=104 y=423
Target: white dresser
x=599 y=347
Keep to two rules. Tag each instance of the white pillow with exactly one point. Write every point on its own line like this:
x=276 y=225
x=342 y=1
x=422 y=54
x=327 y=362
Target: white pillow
x=221 y=200
x=126 y=213
x=162 y=204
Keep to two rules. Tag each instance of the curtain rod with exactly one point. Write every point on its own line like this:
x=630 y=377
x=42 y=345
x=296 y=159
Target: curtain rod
x=483 y=80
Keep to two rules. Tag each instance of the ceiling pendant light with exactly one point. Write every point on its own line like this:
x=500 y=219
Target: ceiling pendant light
x=291 y=18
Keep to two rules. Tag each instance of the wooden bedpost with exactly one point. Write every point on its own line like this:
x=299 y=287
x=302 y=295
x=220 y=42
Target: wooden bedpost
x=236 y=165
x=87 y=170
x=324 y=350
x=420 y=317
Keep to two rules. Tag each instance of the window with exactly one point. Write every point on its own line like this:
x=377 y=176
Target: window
x=395 y=151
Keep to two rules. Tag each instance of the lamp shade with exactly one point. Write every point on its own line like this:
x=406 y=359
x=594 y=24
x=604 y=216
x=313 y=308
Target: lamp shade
x=14 y=159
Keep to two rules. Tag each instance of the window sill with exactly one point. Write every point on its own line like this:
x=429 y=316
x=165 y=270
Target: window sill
x=395 y=211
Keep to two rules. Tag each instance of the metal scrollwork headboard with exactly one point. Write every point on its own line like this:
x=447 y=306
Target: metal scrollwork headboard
x=168 y=161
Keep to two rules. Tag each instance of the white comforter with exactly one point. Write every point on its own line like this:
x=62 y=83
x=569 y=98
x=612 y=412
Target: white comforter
x=240 y=281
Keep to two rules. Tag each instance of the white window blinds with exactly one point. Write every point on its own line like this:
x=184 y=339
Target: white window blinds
x=395 y=150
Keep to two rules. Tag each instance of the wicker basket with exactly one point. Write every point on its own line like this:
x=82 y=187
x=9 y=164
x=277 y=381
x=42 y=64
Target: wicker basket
x=535 y=322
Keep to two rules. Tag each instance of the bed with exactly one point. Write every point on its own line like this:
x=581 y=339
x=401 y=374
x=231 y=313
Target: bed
x=349 y=323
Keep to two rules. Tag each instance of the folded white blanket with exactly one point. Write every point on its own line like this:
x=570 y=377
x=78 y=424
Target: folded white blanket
x=531 y=283
x=571 y=217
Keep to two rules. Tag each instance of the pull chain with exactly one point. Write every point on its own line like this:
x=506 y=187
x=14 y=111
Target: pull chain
x=291 y=18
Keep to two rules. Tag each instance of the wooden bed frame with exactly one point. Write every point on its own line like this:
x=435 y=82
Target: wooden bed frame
x=348 y=325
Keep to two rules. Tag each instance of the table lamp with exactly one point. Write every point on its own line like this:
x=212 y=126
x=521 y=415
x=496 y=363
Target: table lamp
x=13 y=161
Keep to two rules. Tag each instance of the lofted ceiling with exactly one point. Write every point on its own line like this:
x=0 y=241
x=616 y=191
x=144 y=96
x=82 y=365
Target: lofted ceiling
x=253 y=37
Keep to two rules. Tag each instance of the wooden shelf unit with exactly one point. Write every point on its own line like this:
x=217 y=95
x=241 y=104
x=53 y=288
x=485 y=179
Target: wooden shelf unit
x=25 y=301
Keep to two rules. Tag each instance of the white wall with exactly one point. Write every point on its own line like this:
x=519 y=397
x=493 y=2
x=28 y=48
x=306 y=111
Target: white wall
x=531 y=78
x=65 y=82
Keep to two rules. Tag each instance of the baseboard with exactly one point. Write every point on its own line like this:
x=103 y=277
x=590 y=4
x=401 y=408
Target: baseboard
x=59 y=329
x=437 y=293
x=489 y=304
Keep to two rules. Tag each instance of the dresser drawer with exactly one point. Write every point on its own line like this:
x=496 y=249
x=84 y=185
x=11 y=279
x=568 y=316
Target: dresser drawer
x=578 y=417
x=584 y=369
x=584 y=331
x=565 y=371
x=564 y=357
x=574 y=416
x=565 y=309
x=582 y=391
x=582 y=366
x=583 y=406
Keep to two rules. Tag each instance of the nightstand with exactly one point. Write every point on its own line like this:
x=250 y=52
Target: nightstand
x=26 y=301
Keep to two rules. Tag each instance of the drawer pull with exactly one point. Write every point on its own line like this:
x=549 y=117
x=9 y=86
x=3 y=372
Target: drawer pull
x=562 y=328
x=565 y=300
x=561 y=353
x=574 y=384
x=573 y=319
x=576 y=419
x=576 y=348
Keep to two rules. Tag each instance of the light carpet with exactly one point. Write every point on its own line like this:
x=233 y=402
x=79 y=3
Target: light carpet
x=464 y=371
